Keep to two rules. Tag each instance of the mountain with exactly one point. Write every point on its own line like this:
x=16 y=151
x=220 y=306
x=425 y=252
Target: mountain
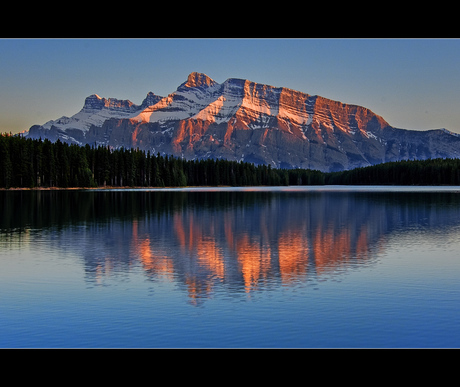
x=248 y=121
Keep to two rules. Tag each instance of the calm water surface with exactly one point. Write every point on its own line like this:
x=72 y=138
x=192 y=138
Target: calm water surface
x=247 y=267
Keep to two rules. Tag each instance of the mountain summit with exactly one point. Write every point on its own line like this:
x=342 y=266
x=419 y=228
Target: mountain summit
x=198 y=80
x=248 y=121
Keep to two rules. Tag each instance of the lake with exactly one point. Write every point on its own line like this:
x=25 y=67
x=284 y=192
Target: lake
x=255 y=267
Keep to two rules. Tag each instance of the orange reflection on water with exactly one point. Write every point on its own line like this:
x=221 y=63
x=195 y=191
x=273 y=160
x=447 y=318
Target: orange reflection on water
x=158 y=262
x=334 y=249
x=330 y=249
x=210 y=255
x=254 y=261
x=195 y=241
x=199 y=246
x=293 y=255
x=227 y=246
x=197 y=289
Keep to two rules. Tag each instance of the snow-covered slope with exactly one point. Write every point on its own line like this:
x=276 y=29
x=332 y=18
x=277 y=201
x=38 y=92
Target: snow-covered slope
x=96 y=111
x=244 y=120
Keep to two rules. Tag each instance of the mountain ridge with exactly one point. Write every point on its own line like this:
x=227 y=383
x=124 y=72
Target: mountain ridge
x=247 y=121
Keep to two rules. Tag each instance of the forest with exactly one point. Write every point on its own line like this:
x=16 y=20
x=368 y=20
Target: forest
x=28 y=163
x=437 y=171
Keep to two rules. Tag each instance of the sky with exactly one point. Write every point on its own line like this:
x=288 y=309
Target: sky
x=411 y=83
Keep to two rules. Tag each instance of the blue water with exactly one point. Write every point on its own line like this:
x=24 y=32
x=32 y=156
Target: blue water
x=289 y=267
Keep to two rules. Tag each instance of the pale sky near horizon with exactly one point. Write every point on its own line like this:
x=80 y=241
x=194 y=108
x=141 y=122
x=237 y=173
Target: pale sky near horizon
x=411 y=83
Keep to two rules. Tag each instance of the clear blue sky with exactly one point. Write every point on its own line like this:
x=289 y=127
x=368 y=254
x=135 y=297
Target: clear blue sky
x=413 y=84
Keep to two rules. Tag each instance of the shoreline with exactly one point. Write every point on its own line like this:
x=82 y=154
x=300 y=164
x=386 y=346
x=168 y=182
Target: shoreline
x=288 y=188
x=110 y=188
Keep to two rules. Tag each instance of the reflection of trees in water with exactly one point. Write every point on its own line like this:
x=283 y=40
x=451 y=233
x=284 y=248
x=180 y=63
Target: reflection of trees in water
x=239 y=240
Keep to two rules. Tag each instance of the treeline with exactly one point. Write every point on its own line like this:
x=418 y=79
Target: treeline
x=28 y=163
x=407 y=172
x=36 y=163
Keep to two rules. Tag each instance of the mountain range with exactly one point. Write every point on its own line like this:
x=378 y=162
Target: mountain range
x=247 y=121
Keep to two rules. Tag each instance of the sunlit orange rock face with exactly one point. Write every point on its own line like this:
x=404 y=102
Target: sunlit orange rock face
x=198 y=80
x=248 y=121
x=243 y=120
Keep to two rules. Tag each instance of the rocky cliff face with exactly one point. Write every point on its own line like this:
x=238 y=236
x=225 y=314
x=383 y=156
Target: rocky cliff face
x=247 y=121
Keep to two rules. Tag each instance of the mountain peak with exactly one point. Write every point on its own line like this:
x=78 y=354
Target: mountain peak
x=198 y=80
x=94 y=102
x=150 y=99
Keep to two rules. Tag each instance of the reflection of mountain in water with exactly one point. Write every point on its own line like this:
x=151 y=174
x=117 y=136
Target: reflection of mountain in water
x=238 y=240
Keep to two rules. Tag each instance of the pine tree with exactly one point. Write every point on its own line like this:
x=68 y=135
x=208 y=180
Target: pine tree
x=6 y=167
x=63 y=164
x=48 y=164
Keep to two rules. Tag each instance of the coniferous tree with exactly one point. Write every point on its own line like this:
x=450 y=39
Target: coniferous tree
x=6 y=168
x=63 y=165
x=48 y=164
